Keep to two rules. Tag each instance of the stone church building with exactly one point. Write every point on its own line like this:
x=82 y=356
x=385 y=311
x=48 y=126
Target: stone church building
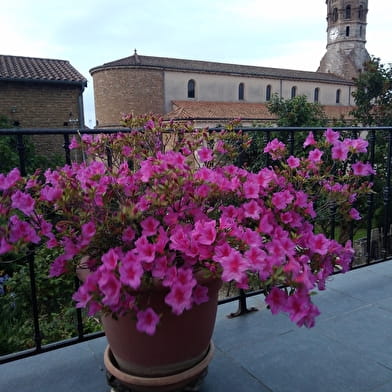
x=213 y=93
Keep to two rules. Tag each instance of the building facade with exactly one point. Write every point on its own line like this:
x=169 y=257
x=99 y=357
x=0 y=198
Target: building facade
x=40 y=93
x=212 y=93
x=346 y=31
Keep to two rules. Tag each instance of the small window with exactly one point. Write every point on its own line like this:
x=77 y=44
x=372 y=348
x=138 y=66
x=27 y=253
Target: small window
x=268 y=91
x=338 y=96
x=241 y=91
x=316 y=94
x=335 y=15
x=360 y=31
x=360 y=12
x=347 y=31
x=347 y=14
x=191 y=88
x=293 y=91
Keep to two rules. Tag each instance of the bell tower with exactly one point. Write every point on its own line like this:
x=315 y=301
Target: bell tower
x=346 y=38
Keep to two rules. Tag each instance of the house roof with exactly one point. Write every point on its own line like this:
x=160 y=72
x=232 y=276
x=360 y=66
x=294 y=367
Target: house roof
x=203 y=110
x=18 y=68
x=173 y=64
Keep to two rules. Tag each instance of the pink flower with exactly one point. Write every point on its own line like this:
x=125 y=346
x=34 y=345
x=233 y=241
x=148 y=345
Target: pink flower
x=282 y=199
x=10 y=179
x=293 y=162
x=355 y=214
x=74 y=143
x=179 y=297
x=110 y=259
x=51 y=193
x=275 y=148
x=251 y=209
x=5 y=247
x=58 y=267
x=298 y=306
x=110 y=287
x=362 y=169
x=204 y=232
x=200 y=294
x=205 y=154
x=145 y=250
x=277 y=300
x=150 y=226
x=128 y=234
x=251 y=189
x=339 y=151
x=22 y=231
x=88 y=230
x=357 y=145
x=315 y=155
x=234 y=265
x=23 y=202
x=318 y=243
x=309 y=141
x=331 y=136
x=147 y=321
x=131 y=270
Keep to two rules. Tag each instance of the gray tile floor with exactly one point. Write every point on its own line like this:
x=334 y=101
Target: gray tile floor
x=349 y=349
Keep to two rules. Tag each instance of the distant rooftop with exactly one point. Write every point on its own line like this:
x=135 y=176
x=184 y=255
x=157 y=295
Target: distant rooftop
x=18 y=68
x=197 y=110
x=136 y=61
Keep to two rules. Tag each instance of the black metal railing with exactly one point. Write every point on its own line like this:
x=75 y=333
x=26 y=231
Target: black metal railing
x=374 y=247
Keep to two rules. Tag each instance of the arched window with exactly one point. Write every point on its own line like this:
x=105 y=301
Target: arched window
x=347 y=14
x=191 y=88
x=338 y=96
x=268 y=93
x=347 y=31
x=335 y=15
x=360 y=31
x=316 y=94
x=360 y=12
x=241 y=91
x=293 y=91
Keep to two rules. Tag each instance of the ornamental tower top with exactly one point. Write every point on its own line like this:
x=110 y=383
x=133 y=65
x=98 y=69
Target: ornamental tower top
x=346 y=32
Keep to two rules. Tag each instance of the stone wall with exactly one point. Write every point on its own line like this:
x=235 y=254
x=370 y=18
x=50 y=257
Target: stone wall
x=39 y=105
x=120 y=91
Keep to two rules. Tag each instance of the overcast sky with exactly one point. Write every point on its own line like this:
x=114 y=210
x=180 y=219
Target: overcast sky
x=280 y=33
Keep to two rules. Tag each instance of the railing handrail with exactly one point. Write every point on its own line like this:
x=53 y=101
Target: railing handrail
x=240 y=298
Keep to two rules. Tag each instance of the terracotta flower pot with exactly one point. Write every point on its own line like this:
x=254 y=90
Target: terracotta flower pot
x=178 y=343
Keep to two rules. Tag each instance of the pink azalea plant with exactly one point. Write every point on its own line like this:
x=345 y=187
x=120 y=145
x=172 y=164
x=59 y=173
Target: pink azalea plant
x=170 y=207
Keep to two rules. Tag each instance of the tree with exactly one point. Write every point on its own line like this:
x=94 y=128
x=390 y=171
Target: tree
x=297 y=112
x=373 y=95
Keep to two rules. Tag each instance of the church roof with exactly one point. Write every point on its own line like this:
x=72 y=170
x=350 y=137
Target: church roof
x=174 y=64
x=204 y=110
x=18 y=68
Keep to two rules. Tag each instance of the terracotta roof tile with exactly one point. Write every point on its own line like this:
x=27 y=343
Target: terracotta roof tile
x=183 y=110
x=37 y=69
x=137 y=61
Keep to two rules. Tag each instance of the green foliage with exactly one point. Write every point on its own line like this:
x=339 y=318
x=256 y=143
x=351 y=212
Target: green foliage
x=294 y=112
x=10 y=157
x=56 y=309
x=373 y=95
x=297 y=112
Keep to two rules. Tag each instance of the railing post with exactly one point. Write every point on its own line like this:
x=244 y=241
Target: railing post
x=34 y=301
x=370 y=198
x=242 y=306
x=387 y=197
x=22 y=154
x=66 y=149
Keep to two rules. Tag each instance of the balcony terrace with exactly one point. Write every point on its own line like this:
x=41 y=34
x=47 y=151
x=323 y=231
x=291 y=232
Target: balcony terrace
x=349 y=349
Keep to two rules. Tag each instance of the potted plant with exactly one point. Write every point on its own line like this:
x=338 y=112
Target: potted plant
x=155 y=219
